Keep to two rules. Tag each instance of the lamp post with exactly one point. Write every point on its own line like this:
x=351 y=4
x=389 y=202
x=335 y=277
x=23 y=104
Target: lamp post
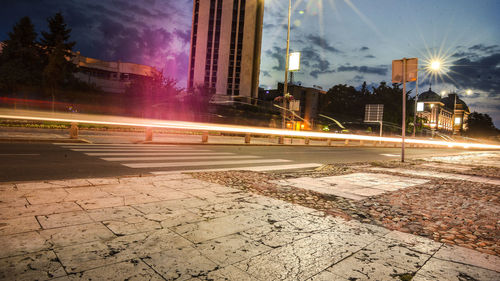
x=285 y=86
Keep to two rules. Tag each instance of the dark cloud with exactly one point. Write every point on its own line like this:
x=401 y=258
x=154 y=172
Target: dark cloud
x=101 y=11
x=316 y=73
x=370 y=56
x=486 y=49
x=462 y=54
x=482 y=73
x=358 y=78
x=285 y=26
x=265 y=73
x=364 y=48
x=268 y=25
x=322 y=43
x=382 y=70
x=278 y=54
x=140 y=10
x=310 y=57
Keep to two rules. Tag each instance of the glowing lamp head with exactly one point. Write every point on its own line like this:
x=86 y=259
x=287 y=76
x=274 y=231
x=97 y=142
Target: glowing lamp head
x=435 y=65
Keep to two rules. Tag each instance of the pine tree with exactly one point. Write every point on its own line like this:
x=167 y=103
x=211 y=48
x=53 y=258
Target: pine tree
x=58 y=49
x=20 y=61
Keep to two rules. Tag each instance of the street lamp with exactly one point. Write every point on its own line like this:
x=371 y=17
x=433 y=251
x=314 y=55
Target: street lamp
x=435 y=65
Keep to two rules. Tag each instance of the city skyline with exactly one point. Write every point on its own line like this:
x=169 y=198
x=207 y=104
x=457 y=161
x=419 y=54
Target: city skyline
x=341 y=41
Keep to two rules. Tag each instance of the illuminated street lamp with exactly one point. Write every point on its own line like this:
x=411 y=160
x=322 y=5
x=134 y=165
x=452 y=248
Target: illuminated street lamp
x=435 y=65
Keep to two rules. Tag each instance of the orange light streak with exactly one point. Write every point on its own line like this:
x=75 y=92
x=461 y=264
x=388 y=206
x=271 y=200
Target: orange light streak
x=195 y=126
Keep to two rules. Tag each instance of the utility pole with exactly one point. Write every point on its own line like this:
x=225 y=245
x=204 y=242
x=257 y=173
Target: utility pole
x=285 y=86
x=403 y=125
x=415 y=113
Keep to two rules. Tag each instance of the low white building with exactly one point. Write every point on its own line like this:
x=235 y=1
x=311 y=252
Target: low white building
x=110 y=76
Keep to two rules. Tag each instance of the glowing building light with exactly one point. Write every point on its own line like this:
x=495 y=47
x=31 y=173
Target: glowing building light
x=458 y=120
x=420 y=106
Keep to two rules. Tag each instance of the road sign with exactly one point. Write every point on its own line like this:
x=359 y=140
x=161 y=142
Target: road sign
x=411 y=70
x=374 y=112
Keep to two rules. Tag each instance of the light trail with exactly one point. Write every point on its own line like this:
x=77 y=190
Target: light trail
x=195 y=126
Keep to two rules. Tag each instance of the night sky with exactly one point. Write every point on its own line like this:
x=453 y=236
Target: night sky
x=342 y=41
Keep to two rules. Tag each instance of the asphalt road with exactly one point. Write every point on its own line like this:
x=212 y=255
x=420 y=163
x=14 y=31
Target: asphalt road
x=44 y=161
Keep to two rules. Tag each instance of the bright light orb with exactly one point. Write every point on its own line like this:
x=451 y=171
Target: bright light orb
x=435 y=65
x=468 y=92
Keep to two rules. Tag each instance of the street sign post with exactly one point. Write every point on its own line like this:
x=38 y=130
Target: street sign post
x=405 y=70
x=374 y=113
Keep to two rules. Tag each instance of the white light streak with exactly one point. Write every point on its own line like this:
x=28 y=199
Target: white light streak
x=193 y=126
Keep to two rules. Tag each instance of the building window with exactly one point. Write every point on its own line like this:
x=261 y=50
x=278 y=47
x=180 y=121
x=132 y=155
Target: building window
x=193 y=39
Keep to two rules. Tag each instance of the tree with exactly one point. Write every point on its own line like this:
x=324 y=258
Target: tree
x=58 y=49
x=480 y=125
x=199 y=100
x=20 y=62
x=344 y=102
x=153 y=97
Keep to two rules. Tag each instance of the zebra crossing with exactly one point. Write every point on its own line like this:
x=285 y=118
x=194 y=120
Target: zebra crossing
x=165 y=159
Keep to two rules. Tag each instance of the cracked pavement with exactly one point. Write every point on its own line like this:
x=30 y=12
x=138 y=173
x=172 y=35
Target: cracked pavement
x=176 y=227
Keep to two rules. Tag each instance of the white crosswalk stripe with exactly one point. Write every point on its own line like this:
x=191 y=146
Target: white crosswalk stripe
x=177 y=159
x=131 y=149
x=201 y=163
x=156 y=153
x=209 y=157
x=254 y=168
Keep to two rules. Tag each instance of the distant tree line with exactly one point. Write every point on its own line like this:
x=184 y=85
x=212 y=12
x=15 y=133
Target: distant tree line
x=480 y=125
x=42 y=65
x=347 y=104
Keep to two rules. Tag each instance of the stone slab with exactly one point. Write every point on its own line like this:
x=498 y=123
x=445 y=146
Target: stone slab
x=18 y=225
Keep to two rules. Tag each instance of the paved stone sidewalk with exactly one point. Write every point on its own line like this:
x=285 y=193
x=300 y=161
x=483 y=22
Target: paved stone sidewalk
x=489 y=158
x=178 y=228
x=433 y=174
x=355 y=186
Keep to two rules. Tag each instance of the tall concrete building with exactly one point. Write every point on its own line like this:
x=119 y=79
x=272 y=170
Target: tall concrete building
x=226 y=39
